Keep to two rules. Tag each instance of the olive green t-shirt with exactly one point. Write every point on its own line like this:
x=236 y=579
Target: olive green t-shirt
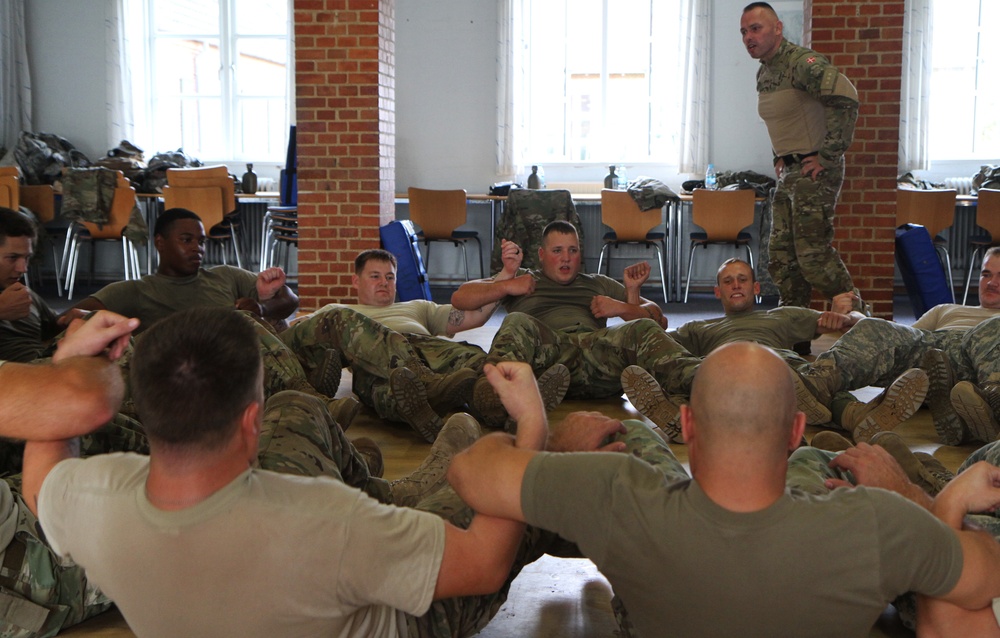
x=565 y=307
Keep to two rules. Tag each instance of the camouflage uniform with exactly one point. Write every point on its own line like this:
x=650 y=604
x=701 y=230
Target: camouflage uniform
x=41 y=593
x=466 y=616
x=595 y=358
x=801 y=251
x=368 y=347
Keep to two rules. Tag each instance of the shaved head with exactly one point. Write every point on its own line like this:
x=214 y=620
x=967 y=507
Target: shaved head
x=743 y=396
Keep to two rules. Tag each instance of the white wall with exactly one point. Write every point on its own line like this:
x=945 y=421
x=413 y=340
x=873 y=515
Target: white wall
x=445 y=90
x=66 y=59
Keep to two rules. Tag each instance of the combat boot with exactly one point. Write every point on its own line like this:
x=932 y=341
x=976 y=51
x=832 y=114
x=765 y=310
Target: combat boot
x=822 y=380
x=552 y=386
x=326 y=377
x=912 y=466
x=343 y=411
x=935 y=472
x=445 y=392
x=830 y=441
x=412 y=405
x=892 y=406
x=972 y=404
x=947 y=423
x=371 y=453
x=816 y=412
x=646 y=396
x=458 y=433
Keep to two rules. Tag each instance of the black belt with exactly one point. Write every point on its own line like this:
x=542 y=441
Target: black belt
x=795 y=158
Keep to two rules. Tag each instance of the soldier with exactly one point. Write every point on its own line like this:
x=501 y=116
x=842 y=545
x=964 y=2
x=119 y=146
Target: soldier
x=311 y=555
x=558 y=315
x=810 y=110
x=404 y=396
x=27 y=323
x=40 y=593
x=316 y=344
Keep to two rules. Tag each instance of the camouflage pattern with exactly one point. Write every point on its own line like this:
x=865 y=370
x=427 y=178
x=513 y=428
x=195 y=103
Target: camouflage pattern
x=523 y=217
x=87 y=196
x=875 y=352
x=299 y=436
x=595 y=358
x=441 y=356
x=467 y=615
x=800 y=250
x=981 y=354
x=991 y=454
x=41 y=593
x=801 y=253
x=43 y=156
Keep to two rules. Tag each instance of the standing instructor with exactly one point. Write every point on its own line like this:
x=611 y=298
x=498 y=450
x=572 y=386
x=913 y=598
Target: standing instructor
x=809 y=109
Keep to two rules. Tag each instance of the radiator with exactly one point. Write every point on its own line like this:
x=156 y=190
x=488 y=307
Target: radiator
x=961 y=184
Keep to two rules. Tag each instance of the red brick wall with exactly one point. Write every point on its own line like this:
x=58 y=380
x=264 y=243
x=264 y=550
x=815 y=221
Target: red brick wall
x=345 y=112
x=865 y=39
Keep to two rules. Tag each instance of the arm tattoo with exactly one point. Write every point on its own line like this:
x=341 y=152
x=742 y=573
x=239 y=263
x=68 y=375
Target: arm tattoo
x=456 y=317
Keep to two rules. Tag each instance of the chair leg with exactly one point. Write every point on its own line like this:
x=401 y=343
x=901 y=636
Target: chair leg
x=687 y=283
x=236 y=246
x=753 y=269
x=74 y=256
x=482 y=273
x=968 y=276
x=465 y=254
x=663 y=274
x=947 y=269
x=600 y=259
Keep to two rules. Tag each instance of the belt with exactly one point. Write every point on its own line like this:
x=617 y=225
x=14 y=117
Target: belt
x=795 y=158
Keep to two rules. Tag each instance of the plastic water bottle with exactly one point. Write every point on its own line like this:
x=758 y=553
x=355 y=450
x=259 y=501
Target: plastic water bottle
x=710 y=182
x=622 y=178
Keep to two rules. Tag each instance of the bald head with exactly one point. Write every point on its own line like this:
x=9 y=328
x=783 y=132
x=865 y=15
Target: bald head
x=743 y=395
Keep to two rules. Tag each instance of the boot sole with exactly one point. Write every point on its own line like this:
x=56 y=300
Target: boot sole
x=947 y=423
x=816 y=413
x=902 y=400
x=975 y=411
x=647 y=397
x=412 y=405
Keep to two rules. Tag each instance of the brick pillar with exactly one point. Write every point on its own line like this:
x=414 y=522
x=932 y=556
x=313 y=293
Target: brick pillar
x=864 y=39
x=345 y=113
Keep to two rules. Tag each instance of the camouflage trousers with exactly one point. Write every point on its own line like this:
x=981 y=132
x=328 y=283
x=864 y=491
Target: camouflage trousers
x=299 y=436
x=875 y=351
x=801 y=253
x=41 y=593
x=595 y=358
x=441 y=356
x=809 y=467
x=469 y=614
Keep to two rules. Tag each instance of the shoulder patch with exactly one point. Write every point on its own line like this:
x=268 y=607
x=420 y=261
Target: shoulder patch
x=829 y=80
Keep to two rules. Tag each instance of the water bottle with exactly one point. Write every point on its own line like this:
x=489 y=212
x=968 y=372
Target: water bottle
x=622 y=178
x=710 y=182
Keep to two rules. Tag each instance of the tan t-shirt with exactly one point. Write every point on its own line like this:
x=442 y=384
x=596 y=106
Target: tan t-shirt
x=268 y=555
x=417 y=316
x=951 y=316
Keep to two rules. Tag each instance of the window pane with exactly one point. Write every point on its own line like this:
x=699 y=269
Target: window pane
x=262 y=128
x=185 y=17
x=262 y=17
x=261 y=66
x=187 y=67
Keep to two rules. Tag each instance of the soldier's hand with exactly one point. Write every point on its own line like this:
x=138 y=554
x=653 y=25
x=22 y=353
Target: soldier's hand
x=811 y=167
x=511 y=255
x=843 y=303
x=15 y=302
x=515 y=384
x=250 y=305
x=834 y=321
x=603 y=307
x=586 y=432
x=269 y=282
x=519 y=286
x=636 y=274
x=105 y=331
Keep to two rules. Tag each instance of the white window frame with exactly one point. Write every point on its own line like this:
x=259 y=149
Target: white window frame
x=604 y=154
x=142 y=54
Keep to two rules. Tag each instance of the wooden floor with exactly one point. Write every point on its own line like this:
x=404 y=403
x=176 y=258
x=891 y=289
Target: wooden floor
x=556 y=596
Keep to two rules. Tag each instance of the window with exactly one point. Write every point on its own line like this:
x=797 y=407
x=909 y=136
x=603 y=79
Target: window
x=212 y=77
x=597 y=81
x=964 y=94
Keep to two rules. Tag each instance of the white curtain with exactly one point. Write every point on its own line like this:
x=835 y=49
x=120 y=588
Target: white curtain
x=118 y=103
x=695 y=44
x=915 y=90
x=505 y=89
x=15 y=79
